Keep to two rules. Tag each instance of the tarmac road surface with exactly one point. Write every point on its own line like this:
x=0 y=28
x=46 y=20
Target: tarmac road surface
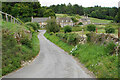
x=52 y=62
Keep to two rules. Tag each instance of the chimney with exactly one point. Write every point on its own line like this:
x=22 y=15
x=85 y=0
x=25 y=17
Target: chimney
x=32 y=19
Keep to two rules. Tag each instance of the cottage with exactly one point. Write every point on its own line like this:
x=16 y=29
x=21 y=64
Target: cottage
x=64 y=21
x=85 y=20
x=41 y=21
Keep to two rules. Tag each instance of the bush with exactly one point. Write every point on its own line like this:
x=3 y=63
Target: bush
x=110 y=48
x=67 y=29
x=91 y=28
x=52 y=26
x=33 y=25
x=109 y=29
x=72 y=39
x=74 y=20
x=80 y=23
x=51 y=33
x=37 y=24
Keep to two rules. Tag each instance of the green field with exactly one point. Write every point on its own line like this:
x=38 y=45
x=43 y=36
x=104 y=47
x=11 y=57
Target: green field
x=95 y=20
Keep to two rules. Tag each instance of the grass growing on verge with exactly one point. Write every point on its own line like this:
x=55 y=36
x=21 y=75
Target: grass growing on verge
x=58 y=42
x=15 y=50
x=94 y=57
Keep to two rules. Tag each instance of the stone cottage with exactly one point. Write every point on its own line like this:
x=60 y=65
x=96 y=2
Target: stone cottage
x=62 y=21
x=41 y=21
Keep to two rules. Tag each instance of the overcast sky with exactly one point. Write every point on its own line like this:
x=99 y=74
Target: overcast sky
x=84 y=3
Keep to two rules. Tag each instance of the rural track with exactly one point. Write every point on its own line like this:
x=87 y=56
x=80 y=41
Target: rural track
x=52 y=62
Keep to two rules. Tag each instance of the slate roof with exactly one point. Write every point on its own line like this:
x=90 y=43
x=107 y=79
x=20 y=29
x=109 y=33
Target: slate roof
x=40 y=19
x=64 y=19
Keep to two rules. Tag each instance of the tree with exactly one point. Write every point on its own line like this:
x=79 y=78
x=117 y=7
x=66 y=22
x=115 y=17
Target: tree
x=67 y=29
x=52 y=26
x=91 y=27
x=109 y=29
x=74 y=20
x=49 y=12
x=118 y=15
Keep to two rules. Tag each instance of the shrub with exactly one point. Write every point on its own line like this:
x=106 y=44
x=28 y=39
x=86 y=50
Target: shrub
x=37 y=24
x=72 y=39
x=91 y=27
x=110 y=48
x=51 y=33
x=109 y=29
x=74 y=20
x=52 y=26
x=33 y=25
x=67 y=29
x=80 y=23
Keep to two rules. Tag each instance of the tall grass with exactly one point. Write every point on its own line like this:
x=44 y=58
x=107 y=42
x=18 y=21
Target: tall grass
x=97 y=60
x=93 y=56
x=58 y=42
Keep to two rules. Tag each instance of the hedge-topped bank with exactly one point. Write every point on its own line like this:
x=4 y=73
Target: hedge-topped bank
x=95 y=57
x=18 y=44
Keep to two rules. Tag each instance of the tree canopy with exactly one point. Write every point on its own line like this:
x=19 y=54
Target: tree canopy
x=24 y=10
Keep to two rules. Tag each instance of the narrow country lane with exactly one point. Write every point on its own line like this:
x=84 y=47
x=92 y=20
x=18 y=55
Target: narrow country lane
x=52 y=62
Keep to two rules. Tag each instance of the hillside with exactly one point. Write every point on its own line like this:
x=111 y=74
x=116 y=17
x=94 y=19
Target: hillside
x=19 y=45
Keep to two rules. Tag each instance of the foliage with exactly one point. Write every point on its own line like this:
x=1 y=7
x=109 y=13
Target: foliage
x=110 y=48
x=80 y=23
x=57 y=41
x=74 y=20
x=17 y=46
x=99 y=62
x=49 y=13
x=20 y=21
x=71 y=39
x=91 y=27
x=67 y=9
x=117 y=17
x=67 y=29
x=24 y=11
x=52 y=26
x=37 y=24
x=33 y=25
x=101 y=12
x=109 y=29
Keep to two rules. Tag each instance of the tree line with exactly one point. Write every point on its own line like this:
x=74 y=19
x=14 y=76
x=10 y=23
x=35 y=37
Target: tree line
x=24 y=10
x=96 y=11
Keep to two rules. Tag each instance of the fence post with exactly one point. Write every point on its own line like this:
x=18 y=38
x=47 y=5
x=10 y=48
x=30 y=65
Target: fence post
x=118 y=32
x=14 y=20
x=6 y=17
x=11 y=19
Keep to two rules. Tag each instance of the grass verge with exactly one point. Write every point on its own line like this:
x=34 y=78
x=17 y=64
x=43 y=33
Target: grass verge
x=18 y=45
x=94 y=57
x=58 y=42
